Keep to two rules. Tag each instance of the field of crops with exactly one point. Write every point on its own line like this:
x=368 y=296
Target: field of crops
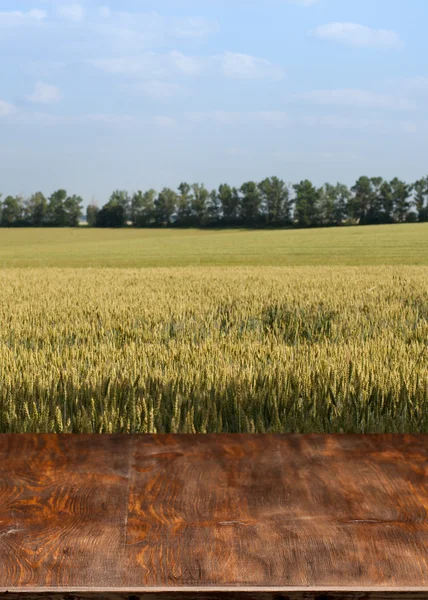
x=135 y=248
x=212 y=349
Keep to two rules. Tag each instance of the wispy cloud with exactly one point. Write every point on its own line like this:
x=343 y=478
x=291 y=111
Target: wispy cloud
x=280 y=118
x=412 y=85
x=305 y=2
x=379 y=125
x=105 y=12
x=45 y=93
x=17 y=17
x=126 y=30
x=150 y=65
x=354 y=34
x=45 y=119
x=164 y=121
x=238 y=118
x=156 y=90
x=294 y=156
x=6 y=109
x=73 y=12
x=244 y=66
x=356 y=98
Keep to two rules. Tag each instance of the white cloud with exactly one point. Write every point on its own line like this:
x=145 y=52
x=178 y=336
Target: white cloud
x=17 y=17
x=45 y=93
x=353 y=34
x=73 y=12
x=189 y=65
x=416 y=83
x=138 y=30
x=163 y=121
x=248 y=67
x=44 y=69
x=30 y=118
x=106 y=119
x=379 y=125
x=157 y=90
x=147 y=65
x=356 y=98
x=158 y=66
x=279 y=118
x=414 y=86
x=305 y=156
x=6 y=109
x=239 y=118
x=275 y=117
x=105 y=12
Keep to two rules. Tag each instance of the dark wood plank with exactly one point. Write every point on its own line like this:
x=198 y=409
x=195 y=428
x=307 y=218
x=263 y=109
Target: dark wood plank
x=63 y=505
x=277 y=517
x=286 y=511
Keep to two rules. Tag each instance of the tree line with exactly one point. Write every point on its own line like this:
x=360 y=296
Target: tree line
x=59 y=210
x=269 y=203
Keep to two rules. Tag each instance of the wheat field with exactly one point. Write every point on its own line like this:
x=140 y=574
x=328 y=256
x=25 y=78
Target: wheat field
x=214 y=349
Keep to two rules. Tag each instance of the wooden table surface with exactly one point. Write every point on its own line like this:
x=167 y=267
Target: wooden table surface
x=272 y=517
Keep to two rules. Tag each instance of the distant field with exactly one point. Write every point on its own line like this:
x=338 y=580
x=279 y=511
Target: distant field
x=376 y=245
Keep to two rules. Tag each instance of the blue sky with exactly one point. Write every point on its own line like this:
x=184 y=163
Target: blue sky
x=135 y=94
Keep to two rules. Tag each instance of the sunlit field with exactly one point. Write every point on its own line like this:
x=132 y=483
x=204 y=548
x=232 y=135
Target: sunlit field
x=135 y=248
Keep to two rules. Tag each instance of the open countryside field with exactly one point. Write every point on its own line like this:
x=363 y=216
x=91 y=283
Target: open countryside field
x=369 y=245
x=209 y=347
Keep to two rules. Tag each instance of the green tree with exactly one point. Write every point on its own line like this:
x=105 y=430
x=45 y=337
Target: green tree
x=91 y=214
x=374 y=212
x=12 y=211
x=184 y=202
x=327 y=204
x=111 y=215
x=165 y=207
x=214 y=211
x=401 y=193
x=276 y=201
x=121 y=198
x=229 y=200
x=56 y=212
x=136 y=206
x=36 y=210
x=73 y=210
x=251 y=201
x=143 y=208
x=199 y=201
x=420 y=199
x=386 y=202
x=307 y=199
x=361 y=199
x=342 y=198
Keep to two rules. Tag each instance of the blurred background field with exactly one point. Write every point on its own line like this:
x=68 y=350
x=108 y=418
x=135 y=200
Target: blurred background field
x=135 y=248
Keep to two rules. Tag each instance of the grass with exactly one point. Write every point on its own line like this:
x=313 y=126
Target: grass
x=82 y=247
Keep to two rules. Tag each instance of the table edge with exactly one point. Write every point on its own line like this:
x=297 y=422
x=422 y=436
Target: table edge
x=211 y=589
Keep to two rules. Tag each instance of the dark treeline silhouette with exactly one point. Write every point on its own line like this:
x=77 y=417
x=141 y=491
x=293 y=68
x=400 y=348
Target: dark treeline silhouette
x=269 y=203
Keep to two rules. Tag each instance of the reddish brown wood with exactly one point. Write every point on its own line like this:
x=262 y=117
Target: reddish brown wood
x=277 y=517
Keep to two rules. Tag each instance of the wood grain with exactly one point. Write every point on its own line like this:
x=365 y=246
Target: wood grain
x=277 y=517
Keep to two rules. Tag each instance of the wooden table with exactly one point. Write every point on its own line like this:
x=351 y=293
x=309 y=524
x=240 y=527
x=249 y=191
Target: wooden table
x=187 y=517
